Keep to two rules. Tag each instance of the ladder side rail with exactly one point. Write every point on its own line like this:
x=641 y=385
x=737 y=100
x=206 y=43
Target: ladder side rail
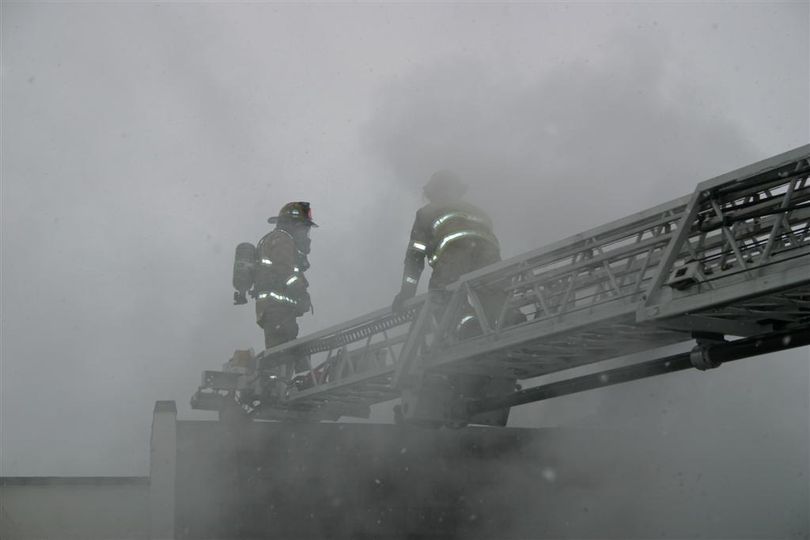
x=352 y=331
x=713 y=249
x=565 y=248
x=558 y=345
x=562 y=260
x=752 y=174
x=717 y=257
x=538 y=276
x=747 y=182
x=715 y=302
x=389 y=378
x=624 y=242
x=367 y=358
x=376 y=356
x=380 y=377
x=763 y=222
x=760 y=206
x=753 y=237
x=378 y=331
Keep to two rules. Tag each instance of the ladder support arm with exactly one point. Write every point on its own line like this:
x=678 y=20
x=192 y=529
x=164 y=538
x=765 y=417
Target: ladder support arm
x=701 y=357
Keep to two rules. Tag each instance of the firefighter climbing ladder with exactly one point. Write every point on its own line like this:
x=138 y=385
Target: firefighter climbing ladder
x=732 y=260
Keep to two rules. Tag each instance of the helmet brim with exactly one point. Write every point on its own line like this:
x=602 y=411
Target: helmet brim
x=307 y=222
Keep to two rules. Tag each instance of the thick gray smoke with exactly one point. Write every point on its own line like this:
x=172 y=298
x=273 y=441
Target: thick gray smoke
x=578 y=146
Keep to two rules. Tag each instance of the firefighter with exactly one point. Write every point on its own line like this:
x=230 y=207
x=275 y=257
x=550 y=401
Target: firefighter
x=453 y=235
x=275 y=271
x=456 y=238
x=280 y=287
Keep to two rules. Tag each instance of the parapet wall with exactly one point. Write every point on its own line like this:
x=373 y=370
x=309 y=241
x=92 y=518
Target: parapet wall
x=356 y=481
x=359 y=481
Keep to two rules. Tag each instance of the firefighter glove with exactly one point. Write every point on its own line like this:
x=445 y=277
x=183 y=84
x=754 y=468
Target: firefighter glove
x=304 y=303
x=398 y=306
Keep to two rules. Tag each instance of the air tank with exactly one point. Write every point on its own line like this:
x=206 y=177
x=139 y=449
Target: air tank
x=244 y=267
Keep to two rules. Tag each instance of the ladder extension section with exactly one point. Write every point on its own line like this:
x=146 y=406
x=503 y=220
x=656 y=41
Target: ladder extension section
x=732 y=259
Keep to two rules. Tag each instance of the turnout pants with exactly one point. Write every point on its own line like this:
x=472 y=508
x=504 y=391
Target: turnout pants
x=279 y=327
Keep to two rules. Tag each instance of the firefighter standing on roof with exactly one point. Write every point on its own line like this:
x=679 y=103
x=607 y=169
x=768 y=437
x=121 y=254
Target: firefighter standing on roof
x=456 y=238
x=453 y=235
x=276 y=272
x=280 y=286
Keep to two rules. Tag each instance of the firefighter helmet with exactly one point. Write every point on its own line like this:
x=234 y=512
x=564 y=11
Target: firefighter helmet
x=298 y=211
x=444 y=184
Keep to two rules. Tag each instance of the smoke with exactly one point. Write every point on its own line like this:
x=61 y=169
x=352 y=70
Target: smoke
x=143 y=142
x=572 y=147
x=582 y=143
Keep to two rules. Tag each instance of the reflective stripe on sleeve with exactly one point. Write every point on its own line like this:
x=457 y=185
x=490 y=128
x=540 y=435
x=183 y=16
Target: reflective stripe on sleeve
x=463 y=215
x=267 y=261
x=446 y=240
x=410 y=280
x=277 y=297
x=418 y=246
x=455 y=236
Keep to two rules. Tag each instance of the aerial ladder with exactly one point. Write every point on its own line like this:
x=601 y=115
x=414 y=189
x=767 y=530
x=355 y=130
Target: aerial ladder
x=726 y=268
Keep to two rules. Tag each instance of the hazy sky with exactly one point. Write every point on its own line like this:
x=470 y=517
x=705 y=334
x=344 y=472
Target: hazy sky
x=142 y=142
